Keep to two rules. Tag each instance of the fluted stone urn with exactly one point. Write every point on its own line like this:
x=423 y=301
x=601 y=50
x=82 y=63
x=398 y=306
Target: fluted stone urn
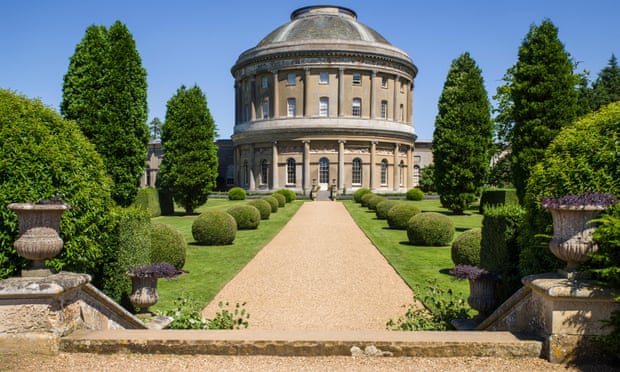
x=572 y=240
x=143 y=292
x=482 y=296
x=39 y=225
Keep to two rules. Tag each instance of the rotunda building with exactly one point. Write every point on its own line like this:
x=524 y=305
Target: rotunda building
x=324 y=100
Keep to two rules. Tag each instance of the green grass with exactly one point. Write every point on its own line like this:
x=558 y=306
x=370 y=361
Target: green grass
x=415 y=264
x=211 y=267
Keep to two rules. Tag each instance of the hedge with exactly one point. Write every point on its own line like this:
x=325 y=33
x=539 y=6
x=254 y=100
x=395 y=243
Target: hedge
x=148 y=198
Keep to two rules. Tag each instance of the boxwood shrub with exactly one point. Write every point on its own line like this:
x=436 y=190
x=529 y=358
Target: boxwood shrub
x=280 y=198
x=167 y=245
x=415 y=194
x=399 y=215
x=493 y=197
x=246 y=216
x=263 y=207
x=214 y=227
x=273 y=203
x=148 y=198
x=236 y=193
x=430 y=229
x=366 y=197
x=372 y=202
x=357 y=195
x=383 y=207
x=288 y=194
x=465 y=248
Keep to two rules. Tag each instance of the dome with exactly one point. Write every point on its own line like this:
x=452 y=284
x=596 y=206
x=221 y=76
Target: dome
x=323 y=22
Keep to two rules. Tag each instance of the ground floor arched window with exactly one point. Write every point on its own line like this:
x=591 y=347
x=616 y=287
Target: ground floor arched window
x=246 y=173
x=324 y=170
x=356 y=171
x=264 y=172
x=384 y=175
x=402 y=173
x=291 y=171
x=416 y=175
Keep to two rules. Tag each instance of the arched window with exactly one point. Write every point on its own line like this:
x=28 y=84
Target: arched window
x=324 y=170
x=291 y=171
x=416 y=175
x=246 y=174
x=402 y=172
x=356 y=171
x=265 y=108
x=384 y=170
x=264 y=172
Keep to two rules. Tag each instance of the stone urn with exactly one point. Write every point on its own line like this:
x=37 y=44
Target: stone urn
x=38 y=240
x=572 y=233
x=143 y=292
x=482 y=295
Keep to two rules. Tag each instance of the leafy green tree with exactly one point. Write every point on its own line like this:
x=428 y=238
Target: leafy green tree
x=427 y=178
x=104 y=91
x=189 y=168
x=538 y=99
x=155 y=128
x=606 y=88
x=462 y=140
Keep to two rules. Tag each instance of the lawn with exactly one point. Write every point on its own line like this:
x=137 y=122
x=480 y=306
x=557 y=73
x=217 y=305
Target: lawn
x=211 y=267
x=415 y=264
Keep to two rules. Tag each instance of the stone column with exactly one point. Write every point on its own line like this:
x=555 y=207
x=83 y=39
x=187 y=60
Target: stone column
x=396 y=90
x=373 y=109
x=276 y=96
x=373 y=160
x=396 y=185
x=341 y=92
x=341 y=164
x=251 y=168
x=236 y=166
x=306 y=180
x=305 y=103
x=274 y=165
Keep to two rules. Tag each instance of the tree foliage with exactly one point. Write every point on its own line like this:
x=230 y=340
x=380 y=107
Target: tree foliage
x=104 y=91
x=538 y=99
x=463 y=135
x=606 y=88
x=40 y=155
x=155 y=128
x=189 y=167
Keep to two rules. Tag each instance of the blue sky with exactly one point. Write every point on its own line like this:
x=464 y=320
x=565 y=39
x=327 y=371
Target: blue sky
x=197 y=42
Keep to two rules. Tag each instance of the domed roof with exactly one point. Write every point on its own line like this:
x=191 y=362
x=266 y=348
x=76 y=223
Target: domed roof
x=323 y=22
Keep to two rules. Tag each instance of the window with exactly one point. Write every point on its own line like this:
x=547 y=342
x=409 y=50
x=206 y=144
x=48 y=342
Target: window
x=402 y=172
x=402 y=112
x=291 y=109
x=384 y=109
x=356 y=171
x=291 y=171
x=384 y=166
x=246 y=173
x=264 y=169
x=292 y=79
x=402 y=87
x=324 y=106
x=416 y=176
x=247 y=113
x=264 y=82
x=357 y=79
x=323 y=170
x=323 y=78
x=357 y=107
x=266 y=109
x=384 y=82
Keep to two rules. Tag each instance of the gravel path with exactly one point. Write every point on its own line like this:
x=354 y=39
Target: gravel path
x=319 y=273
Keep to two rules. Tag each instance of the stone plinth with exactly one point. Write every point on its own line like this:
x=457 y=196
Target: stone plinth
x=567 y=313
x=36 y=312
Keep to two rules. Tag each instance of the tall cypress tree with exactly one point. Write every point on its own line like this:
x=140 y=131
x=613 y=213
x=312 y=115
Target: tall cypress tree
x=462 y=141
x=104 y=91
x=538 y=99
x=607 y=86
x=189 y=168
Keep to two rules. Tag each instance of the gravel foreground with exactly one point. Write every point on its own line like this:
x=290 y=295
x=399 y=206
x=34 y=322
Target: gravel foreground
x=161 y=363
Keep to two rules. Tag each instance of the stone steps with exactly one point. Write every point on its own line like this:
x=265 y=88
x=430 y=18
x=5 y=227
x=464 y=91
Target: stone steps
x=304 y=343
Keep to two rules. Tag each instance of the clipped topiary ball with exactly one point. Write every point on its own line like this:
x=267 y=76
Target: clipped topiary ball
x=399 y=215
x=273 y=203
x=288 y=194
x=263 y=207
x=236 y=193
x=214 y=227
x=247 y=216
x=366 y=197
x=430 y=229
x=415 y=194
x=280 y=198
x=167 y=245
x=372 y=202
x=466 y=248
x=383 y=207
x=357 y=195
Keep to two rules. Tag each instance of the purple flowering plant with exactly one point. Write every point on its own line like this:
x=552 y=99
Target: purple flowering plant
x=462 y=272
x=158 y=270
x=597 y=199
